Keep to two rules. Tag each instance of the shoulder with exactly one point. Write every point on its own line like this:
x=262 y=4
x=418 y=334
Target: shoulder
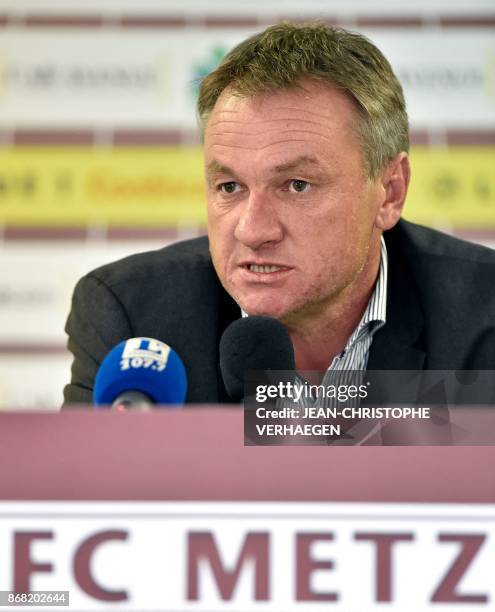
x=453 y=279
x=451 y=282
x=188 y=260
x=173 y=279
x=419 y=241
x=171 y=294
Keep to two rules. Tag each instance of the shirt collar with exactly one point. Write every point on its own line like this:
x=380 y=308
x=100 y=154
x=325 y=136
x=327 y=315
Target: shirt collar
x=375 y=315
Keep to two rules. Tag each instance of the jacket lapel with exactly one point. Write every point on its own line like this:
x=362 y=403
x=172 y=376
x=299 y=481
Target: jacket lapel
x=203 y=327
x=398 y=345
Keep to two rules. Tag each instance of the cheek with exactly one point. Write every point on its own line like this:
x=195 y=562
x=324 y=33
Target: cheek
x=221 y=237
x=221 y=219
x=332 y=252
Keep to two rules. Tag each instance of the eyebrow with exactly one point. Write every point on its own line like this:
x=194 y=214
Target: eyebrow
x=215 y=167
x=303 y=160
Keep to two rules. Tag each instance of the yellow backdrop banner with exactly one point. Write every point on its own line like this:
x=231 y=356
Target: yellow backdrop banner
x=163 y=186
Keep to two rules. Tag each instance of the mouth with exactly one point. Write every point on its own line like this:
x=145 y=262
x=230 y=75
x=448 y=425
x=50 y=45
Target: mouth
x=263 y=268
x=266 y=271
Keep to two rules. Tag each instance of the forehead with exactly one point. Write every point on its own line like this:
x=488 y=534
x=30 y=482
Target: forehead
x=316 y=117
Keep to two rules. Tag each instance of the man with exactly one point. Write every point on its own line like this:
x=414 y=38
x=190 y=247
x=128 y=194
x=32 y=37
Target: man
x=306 y=140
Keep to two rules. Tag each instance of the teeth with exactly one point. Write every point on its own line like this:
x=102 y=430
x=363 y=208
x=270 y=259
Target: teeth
x=263 y=269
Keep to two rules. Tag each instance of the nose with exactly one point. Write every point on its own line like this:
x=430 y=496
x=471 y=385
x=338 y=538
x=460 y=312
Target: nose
x=259 y=223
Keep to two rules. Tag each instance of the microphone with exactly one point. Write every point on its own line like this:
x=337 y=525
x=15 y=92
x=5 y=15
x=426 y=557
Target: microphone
x=138 y=373
x=253 y=343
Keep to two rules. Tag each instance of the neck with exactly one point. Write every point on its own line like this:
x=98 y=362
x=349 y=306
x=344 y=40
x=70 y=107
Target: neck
x=320 y=335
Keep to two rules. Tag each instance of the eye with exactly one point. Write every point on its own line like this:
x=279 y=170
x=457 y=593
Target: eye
x=298 y=185
x=228 y=188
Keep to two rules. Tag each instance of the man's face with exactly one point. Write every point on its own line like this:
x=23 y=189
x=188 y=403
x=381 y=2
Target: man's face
x=290 y=210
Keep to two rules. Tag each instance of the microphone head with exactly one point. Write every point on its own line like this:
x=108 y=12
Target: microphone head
x=253 y=343
x=144 y=365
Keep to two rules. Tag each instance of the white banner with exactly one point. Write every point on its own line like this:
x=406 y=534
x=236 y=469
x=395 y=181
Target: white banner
x=261 y=557
x=98 y=78
x=37 y=280
x=448 y=76
x=33 y=381
x=243 y=7
x=147 y=78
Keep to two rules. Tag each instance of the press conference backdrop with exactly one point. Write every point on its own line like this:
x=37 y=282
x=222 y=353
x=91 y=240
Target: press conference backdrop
x=100 y=155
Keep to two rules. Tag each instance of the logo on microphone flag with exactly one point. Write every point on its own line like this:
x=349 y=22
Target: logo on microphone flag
x=145 y=353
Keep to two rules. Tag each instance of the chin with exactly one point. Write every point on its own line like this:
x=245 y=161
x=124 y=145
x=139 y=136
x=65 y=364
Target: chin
x=261 y=312
x=260 y=309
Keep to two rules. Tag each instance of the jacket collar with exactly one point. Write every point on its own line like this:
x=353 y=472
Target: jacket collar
x=398 y=345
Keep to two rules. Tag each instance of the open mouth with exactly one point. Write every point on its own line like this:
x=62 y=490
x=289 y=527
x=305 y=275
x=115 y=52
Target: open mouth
x=268 y=269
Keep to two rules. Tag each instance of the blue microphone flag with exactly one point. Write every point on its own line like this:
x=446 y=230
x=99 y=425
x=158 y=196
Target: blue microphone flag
x=145 y=365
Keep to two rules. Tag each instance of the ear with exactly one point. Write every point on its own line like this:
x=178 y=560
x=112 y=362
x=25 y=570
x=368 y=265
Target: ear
x=394 y=181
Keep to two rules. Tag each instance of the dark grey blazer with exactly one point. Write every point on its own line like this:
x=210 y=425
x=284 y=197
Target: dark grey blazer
x=440 y=310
